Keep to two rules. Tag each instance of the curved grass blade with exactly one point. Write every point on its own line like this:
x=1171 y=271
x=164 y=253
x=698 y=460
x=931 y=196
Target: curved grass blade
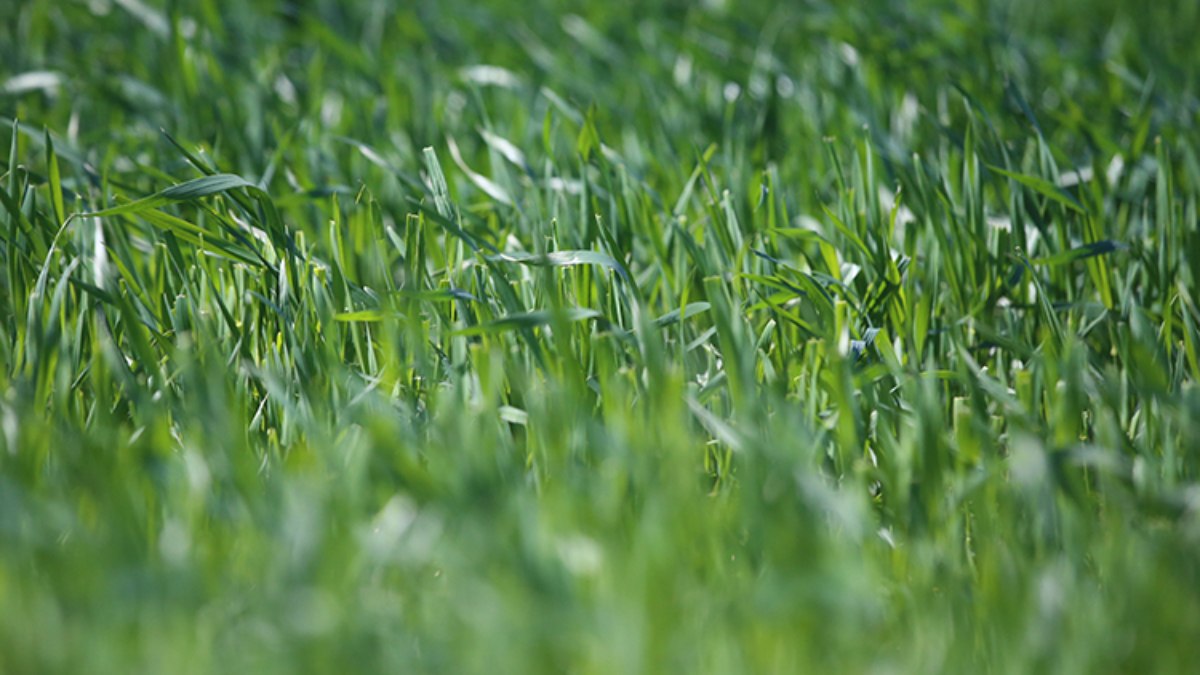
x=539 y=317
x=367 y=316
x=1043 y=187
x=208 y=186
x=490 y=187
x=205 y=186
x=566 y=259
x=677 y=315
x=1081 y=252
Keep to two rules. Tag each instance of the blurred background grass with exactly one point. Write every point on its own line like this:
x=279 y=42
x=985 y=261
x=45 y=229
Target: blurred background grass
x=643 y=367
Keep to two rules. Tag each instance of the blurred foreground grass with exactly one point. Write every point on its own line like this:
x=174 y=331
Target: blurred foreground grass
x=551 y=337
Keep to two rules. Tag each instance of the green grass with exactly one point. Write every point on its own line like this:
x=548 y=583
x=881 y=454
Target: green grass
x=546 y=337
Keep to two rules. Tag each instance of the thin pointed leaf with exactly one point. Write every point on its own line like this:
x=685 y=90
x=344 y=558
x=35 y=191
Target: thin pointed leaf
x=1081 y=252
x=1043 y=187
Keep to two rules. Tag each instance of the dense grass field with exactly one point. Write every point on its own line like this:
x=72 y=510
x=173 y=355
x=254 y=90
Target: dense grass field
x=550 y=337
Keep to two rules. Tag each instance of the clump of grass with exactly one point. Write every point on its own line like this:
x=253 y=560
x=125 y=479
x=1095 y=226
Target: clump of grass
x=474 y=338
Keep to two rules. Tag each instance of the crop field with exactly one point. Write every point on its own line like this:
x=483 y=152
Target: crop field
x=599 y=337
